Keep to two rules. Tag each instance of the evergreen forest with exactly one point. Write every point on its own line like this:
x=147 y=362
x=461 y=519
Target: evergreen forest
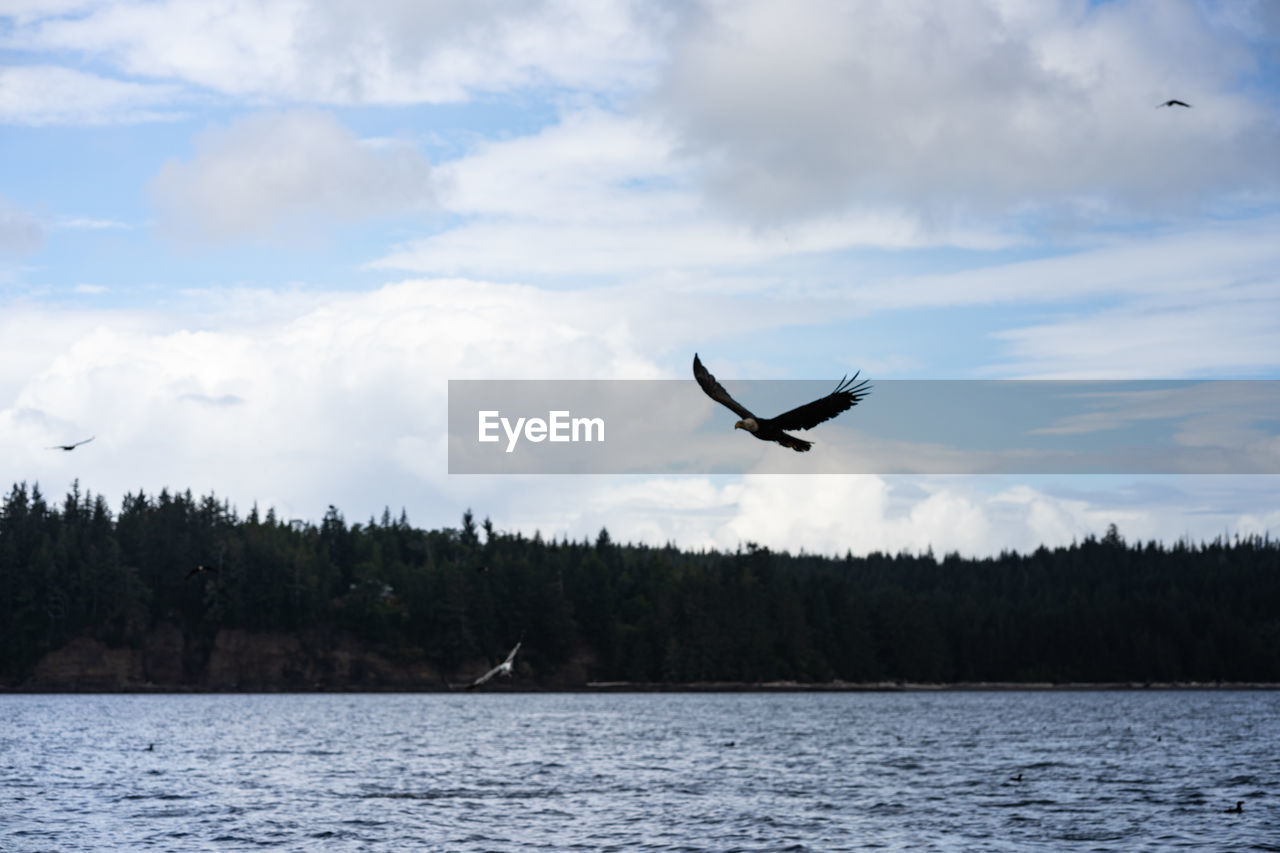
x=1100 y=610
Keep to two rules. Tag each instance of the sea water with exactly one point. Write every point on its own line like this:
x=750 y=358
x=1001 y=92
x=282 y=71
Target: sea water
x=1106 y=770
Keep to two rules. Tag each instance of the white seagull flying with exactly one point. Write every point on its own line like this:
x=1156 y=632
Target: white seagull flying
x=503 y=668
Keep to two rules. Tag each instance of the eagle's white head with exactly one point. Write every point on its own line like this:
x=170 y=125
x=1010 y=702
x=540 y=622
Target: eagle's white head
x=749 y=424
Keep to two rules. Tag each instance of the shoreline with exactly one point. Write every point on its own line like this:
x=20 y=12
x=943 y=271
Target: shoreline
x=592 y=687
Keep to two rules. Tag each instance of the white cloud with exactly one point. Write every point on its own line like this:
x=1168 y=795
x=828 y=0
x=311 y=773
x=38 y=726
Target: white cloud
x=90 y=224
x=866 y=513
x=600 y=193
x=537 y=247
x=969 y=108
x=1260 y=524
x=384 y=51
x=571 y=171
x=26 y=11
x=1192 y=302
x=20 y=232
x=336 y=398
x=1192 y=263
x=300 y=400
x=272 y=173
x=975 y=516
x=53 y=95
x=1225 y=338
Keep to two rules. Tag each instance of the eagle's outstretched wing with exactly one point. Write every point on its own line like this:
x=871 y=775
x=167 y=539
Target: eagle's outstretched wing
x=71 y=446
x=716 y=391
x=808 y=416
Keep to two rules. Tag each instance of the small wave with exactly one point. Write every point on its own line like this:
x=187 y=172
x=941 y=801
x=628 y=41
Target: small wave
x=240 y=839
x=157 y=797
x=1093 y=836
x=165 y=813
x=459 y=794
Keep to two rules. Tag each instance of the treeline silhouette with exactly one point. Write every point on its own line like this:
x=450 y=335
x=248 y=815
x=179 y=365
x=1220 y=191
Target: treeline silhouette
x=1100 y=610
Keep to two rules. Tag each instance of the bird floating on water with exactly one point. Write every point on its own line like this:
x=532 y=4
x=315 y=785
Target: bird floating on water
x=1238 y=809
x=849 y=392
x=70 y=446
x=1174 y=102
x=503 y=668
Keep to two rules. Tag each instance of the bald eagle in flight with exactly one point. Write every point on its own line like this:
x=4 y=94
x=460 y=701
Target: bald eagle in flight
x=847 y=395
x=70 y=447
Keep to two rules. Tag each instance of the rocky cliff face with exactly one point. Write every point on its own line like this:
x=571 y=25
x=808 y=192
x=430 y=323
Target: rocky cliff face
x=247 y=660
x=235 y=659
x=311 y=660
x=85 y=664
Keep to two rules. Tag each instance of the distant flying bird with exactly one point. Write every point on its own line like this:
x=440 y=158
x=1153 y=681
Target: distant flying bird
x=71 y=446
x=203 y=568
x=1174 y=102
x=1239 y=809
x=846 y=396
x=503 y=668
x=200 y=570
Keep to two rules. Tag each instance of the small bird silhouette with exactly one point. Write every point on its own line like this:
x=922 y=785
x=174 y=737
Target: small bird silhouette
x=200 y=570
x=1017 y=778
x=1174 y=102
x=70 y=446
x=1238 y=809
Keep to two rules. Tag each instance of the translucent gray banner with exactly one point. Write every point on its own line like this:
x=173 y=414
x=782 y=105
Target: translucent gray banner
x=903 y=427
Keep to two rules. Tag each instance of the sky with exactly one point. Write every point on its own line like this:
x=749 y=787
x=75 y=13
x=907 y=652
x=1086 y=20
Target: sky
x=246 y=245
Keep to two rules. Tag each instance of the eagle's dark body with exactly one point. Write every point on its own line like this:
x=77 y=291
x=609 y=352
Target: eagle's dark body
x=200 y=570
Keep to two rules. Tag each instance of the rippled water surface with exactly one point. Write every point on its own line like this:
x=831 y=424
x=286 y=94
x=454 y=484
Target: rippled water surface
x=473 y=772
